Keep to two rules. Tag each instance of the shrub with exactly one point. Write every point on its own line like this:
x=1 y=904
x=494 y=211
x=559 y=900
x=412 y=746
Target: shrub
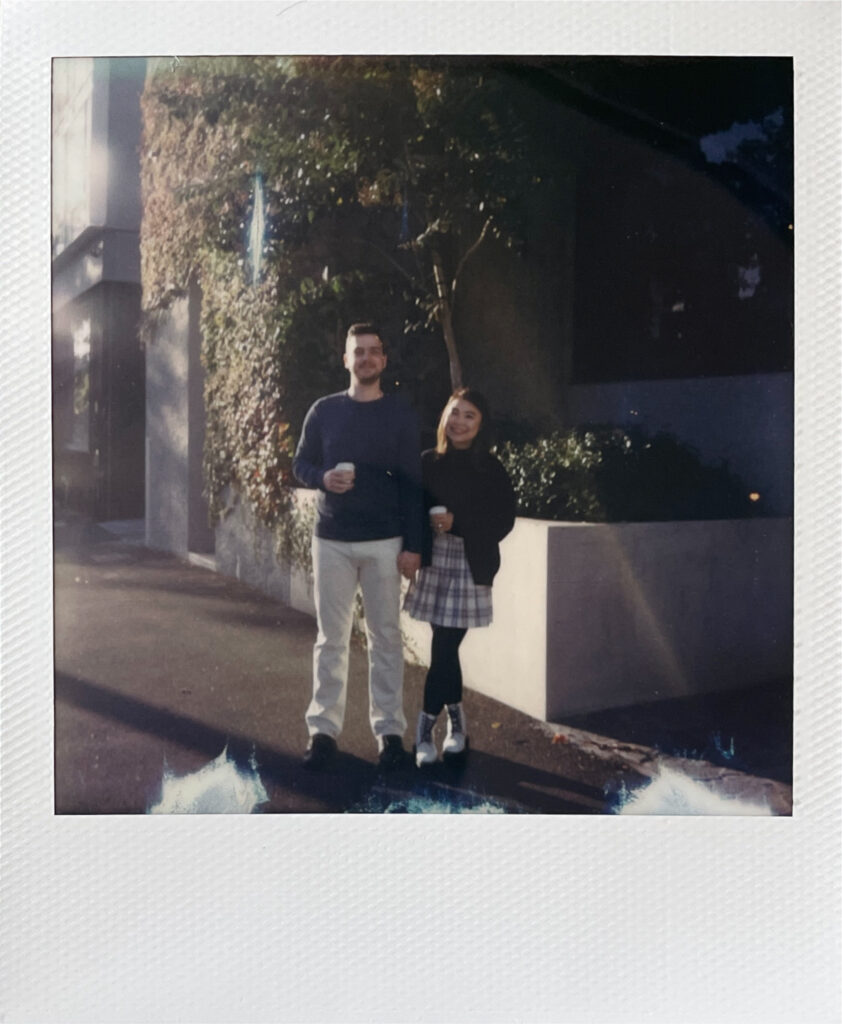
x=608 y=474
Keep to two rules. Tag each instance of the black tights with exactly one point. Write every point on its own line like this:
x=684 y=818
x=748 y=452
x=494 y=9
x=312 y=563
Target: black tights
x=444 y=680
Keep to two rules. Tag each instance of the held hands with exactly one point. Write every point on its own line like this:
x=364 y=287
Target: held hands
x=409 y=562
x=441 y=522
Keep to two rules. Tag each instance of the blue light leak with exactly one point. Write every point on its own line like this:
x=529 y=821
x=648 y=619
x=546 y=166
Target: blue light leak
x=257 y=230
x=716 y=750
x=671 y=792
x=430 y=799
x=220 y=787
x=729 y=752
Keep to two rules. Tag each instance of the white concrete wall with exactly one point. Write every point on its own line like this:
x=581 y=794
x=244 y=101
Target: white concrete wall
x=167 y=434
x=176 y=509
x=592 y=616
x=245 y=550
x=747 y=420
x=640 y=612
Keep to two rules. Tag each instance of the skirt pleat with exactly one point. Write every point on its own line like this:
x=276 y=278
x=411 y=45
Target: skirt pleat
x=444 y=593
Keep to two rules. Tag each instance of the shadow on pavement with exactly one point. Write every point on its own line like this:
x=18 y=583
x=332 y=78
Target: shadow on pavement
x=351 y=783
x=290 y=787
x=521 y=787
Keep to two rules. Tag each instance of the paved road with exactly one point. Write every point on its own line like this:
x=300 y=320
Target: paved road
x=160 y=664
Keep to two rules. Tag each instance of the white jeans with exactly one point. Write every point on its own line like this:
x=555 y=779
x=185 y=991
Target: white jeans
x=338 y=566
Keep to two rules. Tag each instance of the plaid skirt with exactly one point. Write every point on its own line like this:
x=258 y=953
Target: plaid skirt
x=444 y=593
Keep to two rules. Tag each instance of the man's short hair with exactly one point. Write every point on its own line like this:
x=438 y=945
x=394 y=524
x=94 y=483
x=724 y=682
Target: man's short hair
x=365 y=327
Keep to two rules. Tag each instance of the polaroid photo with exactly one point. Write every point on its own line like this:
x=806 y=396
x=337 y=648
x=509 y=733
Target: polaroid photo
x=421 y=412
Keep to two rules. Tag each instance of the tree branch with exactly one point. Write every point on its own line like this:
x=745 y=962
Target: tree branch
x=468 y=254
x=432 y=229
x=386 y=256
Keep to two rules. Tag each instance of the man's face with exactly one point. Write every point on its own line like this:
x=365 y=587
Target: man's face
x=364 y=358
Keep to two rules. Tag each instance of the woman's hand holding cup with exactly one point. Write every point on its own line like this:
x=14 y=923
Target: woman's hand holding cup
x=440 y=519
x=339 y=479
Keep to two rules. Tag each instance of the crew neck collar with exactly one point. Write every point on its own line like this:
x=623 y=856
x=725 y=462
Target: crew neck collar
x=364 y=401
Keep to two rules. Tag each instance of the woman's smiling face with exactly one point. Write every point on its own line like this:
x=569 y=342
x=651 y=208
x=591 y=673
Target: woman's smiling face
x=463 y=423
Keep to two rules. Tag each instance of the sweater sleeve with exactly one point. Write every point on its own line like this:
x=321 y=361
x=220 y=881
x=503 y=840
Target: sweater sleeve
x=499 y=515
x=492 y=518
x=307 y=465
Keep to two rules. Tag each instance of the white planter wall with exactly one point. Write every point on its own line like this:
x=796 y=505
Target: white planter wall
x=646 y=611
x=245 y=550
x=594 y=616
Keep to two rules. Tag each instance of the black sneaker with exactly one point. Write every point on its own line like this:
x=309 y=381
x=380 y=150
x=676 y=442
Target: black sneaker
x=320 y=751
x=392 y=754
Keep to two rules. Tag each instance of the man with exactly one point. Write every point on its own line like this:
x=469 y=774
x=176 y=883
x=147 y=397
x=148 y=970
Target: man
x=368 y=532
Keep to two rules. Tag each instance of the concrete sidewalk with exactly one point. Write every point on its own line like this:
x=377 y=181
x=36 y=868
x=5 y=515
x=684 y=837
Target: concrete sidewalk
x=161 y=664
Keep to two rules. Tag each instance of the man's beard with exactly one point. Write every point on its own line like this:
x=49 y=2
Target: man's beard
x=372 y=377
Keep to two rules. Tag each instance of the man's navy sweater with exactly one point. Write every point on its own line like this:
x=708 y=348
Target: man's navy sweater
x=382 y=439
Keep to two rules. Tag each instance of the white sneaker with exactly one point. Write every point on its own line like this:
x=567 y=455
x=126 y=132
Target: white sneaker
x=425 y=747
x=457 y=729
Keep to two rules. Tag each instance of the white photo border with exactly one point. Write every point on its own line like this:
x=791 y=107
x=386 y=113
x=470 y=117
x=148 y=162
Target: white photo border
x=385 y=918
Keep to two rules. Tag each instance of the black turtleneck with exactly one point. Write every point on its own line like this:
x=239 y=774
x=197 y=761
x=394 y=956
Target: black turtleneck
x=479 y=494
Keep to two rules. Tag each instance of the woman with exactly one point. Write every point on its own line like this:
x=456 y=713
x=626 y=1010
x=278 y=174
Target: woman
x=459 y=558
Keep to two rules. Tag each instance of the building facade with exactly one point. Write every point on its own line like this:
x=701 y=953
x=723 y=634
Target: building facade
x=98 y=369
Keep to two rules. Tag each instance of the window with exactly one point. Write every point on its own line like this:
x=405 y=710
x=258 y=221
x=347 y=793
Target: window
x=80 y=438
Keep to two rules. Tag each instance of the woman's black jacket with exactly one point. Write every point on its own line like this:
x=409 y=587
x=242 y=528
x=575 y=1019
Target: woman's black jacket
x=478 y=492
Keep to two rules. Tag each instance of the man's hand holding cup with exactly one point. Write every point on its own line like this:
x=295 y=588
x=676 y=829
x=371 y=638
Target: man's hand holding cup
x=440 y=519
x=339 y=479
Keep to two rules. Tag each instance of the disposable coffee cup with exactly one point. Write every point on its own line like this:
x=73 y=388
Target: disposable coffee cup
x=345 y=467
x=438 y=510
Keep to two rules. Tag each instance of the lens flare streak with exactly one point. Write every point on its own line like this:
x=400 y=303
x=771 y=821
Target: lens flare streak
x=257 y=230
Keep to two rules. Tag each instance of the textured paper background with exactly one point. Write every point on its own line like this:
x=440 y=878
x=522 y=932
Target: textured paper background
x=399 y=918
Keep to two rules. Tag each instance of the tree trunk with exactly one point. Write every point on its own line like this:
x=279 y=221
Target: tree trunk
x=445 y=318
